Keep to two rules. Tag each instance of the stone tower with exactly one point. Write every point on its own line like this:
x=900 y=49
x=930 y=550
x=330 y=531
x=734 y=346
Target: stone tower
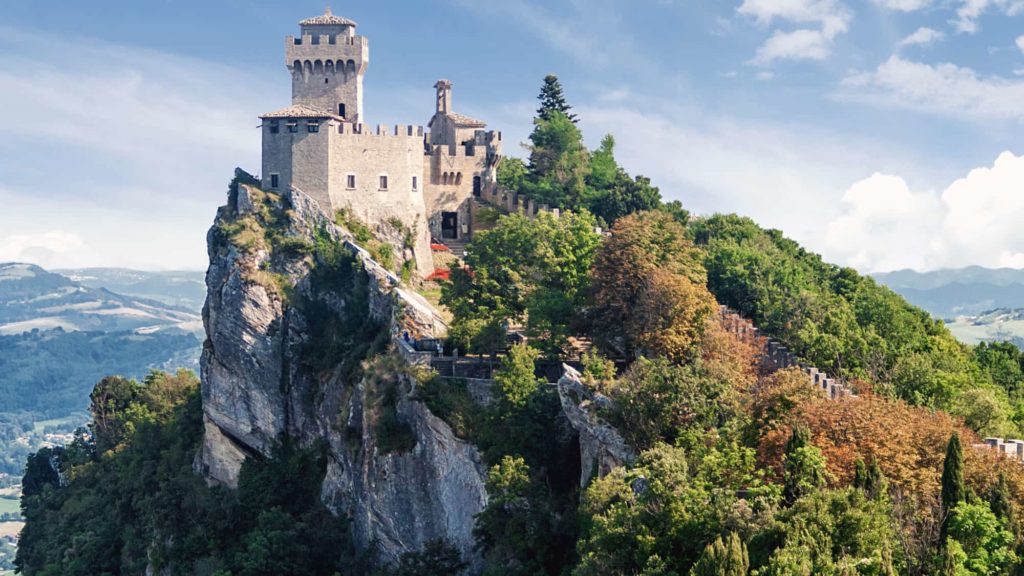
x=327 y=63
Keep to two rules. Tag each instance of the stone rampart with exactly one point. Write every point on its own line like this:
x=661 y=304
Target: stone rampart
x=775 y=356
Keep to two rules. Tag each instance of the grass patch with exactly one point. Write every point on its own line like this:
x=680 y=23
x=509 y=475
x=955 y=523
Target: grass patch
x=10 y=505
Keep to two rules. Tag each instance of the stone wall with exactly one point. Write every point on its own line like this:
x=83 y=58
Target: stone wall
x=328 y=71
x=775 y=356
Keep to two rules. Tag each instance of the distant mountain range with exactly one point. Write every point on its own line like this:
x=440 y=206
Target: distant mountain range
x=964 y=292
x=33 y=299
x=184 y=289
x=60 y=334
x=977 y=304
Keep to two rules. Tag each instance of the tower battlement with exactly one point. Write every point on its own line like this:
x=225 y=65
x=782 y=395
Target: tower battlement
x=382 y=130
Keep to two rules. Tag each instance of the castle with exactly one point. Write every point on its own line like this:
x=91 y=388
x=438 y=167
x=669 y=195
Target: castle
x=320 y=146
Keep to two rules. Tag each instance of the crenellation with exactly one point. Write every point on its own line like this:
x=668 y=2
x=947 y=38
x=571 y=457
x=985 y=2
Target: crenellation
x=424 y=177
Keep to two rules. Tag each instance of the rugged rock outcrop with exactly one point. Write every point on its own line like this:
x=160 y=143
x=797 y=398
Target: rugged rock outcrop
x=602 y=448
x=260 y=384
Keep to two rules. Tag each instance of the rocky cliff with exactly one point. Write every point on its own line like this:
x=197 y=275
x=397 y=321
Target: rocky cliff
x=299 y=322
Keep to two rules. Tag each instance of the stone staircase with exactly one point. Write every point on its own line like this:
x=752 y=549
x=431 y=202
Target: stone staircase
x=458 y=247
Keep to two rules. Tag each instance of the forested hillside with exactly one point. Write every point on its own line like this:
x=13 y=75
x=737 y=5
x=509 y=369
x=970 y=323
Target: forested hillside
x=704 y=458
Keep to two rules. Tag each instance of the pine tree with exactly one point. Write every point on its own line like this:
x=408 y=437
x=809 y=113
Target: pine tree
x=723 y=558
x=552 y=99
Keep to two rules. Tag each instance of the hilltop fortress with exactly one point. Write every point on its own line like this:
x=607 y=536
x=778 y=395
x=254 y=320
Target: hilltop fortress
x=321 y=147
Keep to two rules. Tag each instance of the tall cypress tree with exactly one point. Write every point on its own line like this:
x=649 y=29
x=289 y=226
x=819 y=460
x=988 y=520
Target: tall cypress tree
x=953 y=489
x=552 y=99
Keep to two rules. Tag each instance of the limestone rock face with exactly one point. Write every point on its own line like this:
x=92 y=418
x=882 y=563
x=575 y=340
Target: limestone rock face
x=256 y=389
x=602 y=448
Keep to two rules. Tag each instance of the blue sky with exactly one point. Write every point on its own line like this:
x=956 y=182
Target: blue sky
x=882 y=133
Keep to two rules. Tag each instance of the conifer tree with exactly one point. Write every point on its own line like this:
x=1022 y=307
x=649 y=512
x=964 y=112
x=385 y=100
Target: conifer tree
x=954 y=490
x=875 y=483
x=723 y=558
x=552 y=99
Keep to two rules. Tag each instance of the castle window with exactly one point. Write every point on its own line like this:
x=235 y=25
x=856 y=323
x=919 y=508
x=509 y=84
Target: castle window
x=275 y=126
x=293 y=126
x=383 y=182
x=350 y=182
x=415 y=183
x=275 y=180
x=313 y=126
x=458 y=179
x=341 y=110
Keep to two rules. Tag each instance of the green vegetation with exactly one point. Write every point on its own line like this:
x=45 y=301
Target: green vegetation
x=125 y=509
x=562 y=173
x=48 y=375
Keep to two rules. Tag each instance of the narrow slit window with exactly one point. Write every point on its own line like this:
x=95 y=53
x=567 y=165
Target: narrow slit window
x=383 y=182
x=351 y=181
x=275 y=180
x=415 y=183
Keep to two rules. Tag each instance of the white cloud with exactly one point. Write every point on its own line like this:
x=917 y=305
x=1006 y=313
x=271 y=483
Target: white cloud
x=970 y=11
x=903 y=5
x=886 y=225
x=109 y=133
x=795 y=45
x=803 y=43
x=942 y=88
x=922 y=37
x=1020 y=43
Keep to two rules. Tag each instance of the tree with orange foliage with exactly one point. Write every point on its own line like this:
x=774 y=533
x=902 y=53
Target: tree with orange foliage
x=648 y=267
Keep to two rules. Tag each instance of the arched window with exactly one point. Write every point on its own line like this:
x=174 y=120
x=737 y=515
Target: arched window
x=444 y=179
x=297 y=67
x=329 y=67
x=458 y=179
x=318 y=67
x=307 y=67
x=351 y=66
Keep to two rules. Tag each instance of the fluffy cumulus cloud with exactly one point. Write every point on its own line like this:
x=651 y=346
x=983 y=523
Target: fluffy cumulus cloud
x=886 y=225
x=1020 y=43
x=922 y=37
x=820 y=20
x=940 y=88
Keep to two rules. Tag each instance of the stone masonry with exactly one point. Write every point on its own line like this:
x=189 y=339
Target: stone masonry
x=320 y=144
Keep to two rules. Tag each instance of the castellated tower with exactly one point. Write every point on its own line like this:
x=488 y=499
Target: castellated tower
x=320 y=146
x=328 y=62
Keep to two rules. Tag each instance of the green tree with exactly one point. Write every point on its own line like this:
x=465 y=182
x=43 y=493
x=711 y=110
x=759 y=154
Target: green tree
x=552 y=100
x=523 y=270
x=803 y=466
x=658 y=401
x=514 y=530
x=515 y=381
x=985 y=541
x=723 y=558
x=954 y=490
x=559 y=163
x=512 y=173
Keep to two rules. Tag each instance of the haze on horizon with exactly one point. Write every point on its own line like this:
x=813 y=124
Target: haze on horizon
x=884 y=134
